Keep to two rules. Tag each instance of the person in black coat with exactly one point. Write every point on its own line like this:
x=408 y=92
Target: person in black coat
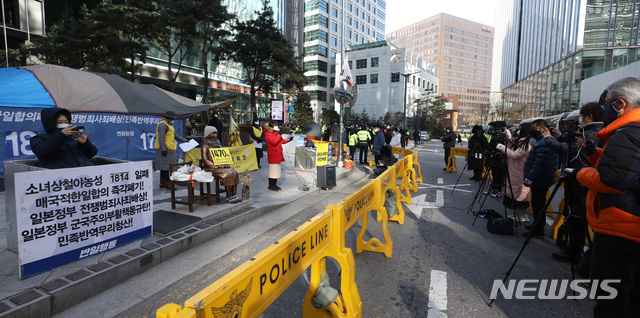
x=478 y=144
x=215 y=121
x=62 y=146
x=257 y=134
x=449 y=141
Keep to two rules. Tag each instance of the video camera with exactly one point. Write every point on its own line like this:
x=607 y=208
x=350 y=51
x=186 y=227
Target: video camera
x=569 y=129
x=496 y=130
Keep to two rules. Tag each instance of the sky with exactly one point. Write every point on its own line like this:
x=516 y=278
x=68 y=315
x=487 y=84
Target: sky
x=402 y=13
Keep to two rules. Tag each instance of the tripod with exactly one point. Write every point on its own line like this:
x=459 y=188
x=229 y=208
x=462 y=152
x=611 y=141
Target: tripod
x=491 y=168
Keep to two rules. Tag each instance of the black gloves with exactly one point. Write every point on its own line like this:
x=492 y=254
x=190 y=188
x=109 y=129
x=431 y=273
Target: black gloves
x=164 y=153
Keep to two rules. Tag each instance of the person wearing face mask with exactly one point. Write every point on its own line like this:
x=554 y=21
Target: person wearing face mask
x=449 y=141
x=215 y=121
x=540 y=170
x=165 y=146
x=475 y=156
x=61 y=146
x=378 y=142
x=613 y=201
x=257 y=134
x=275 y=156
x=575 y=194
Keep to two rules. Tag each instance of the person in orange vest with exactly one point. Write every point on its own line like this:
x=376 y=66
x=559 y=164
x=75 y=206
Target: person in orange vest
x=165 y=146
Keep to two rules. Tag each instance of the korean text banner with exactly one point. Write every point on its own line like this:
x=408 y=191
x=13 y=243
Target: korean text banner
x=119 y=136
x=65 y=216
x=244 y=157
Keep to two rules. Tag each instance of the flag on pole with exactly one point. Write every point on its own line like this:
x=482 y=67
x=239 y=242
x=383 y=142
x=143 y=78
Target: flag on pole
x=345 y=73
x=234 y=134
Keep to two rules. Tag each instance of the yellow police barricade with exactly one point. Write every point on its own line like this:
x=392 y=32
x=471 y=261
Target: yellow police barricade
x=249 y=289
x=451 y=163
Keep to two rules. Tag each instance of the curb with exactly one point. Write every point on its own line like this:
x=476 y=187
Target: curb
x=58 y=295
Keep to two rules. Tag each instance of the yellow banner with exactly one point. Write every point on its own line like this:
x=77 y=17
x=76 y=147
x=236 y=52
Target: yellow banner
x=249 y=289
x=322 y=154
x=221 y=156
x=243 y=158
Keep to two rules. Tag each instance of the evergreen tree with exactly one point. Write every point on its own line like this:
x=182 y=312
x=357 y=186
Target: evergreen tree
x=266 y=55
x=303 y=113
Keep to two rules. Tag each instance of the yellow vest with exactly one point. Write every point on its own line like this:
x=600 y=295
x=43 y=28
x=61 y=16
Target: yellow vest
x=169 y=138
x=353 y=139
x=257 y=131
x=364 y=135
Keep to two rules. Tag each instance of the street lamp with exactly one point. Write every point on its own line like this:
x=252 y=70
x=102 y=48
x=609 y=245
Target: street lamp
x=404 y=101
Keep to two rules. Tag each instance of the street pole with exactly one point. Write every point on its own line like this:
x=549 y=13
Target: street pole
x=404 y=101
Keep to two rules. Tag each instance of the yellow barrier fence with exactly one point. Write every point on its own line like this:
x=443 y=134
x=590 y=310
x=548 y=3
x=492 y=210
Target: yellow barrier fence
x=252 y=287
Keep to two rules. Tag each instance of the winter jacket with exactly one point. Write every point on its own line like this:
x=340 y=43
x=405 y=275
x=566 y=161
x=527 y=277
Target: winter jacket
x=541 y=165
x=613 y=201
x=56 y=150
x=274 y=142
x=477 y=146
x=395 y=140
x=378 y=142
x=449 y=138
x=515 y=162
x=579 y=161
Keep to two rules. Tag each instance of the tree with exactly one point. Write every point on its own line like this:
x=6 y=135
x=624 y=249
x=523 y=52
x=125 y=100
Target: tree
x=303 y=113
x=174 y=21
x=15 y=59
x=434 y=113
x=267 y=57
x=211 y=15
x=329 y=116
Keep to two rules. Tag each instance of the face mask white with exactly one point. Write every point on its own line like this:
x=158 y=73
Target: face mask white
x=256 y=123
x=216 y=115
x=276 y=128
x=61 y=126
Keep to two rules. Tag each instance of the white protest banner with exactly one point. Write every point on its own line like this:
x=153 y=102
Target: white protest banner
x=277 y=109
x=64 y=215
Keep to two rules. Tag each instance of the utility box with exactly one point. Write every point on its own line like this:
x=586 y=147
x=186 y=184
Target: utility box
x=326 y=177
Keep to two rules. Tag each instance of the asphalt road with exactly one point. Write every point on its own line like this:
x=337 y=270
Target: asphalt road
x=441 y=256
x=442 y=265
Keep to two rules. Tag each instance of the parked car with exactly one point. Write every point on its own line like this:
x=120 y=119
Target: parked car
x=424 y=135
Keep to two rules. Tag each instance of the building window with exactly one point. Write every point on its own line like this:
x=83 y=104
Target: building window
x=361 y=79
x=361 y=63
x=373 y=79
x=316 y=65
x=315 y=50
x=395 y=77
x=315 y=35
x=334 y=12
x=374 y=61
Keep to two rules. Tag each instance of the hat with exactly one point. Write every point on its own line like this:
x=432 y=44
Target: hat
x=376 y=126
x=208 y=130
x=170 y=114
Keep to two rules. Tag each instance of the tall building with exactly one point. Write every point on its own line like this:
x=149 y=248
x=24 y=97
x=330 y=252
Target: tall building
x=330 y=25
x=381 y=72
x=22 y=21
x=462 y=51
x=545 y=50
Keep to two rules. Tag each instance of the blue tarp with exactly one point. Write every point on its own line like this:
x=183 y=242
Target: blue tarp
x=19 y=88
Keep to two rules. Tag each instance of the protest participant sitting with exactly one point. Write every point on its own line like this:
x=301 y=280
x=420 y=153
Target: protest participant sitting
x=62 y=146
x=387 y=159
x=228 y=175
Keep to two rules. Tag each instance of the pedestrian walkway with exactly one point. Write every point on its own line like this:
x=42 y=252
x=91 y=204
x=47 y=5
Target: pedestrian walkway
x=57 y=290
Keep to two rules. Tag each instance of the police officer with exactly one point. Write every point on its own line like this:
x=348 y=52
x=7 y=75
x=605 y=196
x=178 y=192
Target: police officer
x=364 y=138
x=353 y=142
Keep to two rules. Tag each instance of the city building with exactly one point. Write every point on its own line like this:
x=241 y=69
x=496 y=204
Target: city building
x=380 y=71
x=462 y=51
x=546 y=51
x=330 y=25
x=22 y=20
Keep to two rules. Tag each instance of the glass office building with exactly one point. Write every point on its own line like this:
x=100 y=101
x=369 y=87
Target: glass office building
x=330 y=25
x=540 y=72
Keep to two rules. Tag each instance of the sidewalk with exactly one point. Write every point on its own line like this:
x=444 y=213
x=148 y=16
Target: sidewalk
x=52 y=292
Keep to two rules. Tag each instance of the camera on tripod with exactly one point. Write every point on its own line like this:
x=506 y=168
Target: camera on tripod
x=569 y=130
x=497 y=132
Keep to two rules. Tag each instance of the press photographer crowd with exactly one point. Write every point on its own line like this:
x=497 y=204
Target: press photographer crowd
x=593 y=155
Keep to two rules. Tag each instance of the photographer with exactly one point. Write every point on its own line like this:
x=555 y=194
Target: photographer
x=449 y=140
x=499 y=134
x=62 y=145
x=478 y=144
x=574 y=158
x=517 y=197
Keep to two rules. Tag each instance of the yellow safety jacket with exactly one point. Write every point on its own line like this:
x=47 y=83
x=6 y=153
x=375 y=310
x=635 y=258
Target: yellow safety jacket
x=324 y=129
x=257 y=131
x=353 y=140
x=169 y=138
x=364 y=136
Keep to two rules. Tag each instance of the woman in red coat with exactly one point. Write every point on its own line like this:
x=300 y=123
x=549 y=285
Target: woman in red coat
x=274 y=142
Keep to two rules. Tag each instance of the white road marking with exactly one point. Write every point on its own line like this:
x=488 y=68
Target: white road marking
x=418 y=202
x=437 y=295
x=446 y=187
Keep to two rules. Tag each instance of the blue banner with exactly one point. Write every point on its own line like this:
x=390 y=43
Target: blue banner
x=120 y=136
